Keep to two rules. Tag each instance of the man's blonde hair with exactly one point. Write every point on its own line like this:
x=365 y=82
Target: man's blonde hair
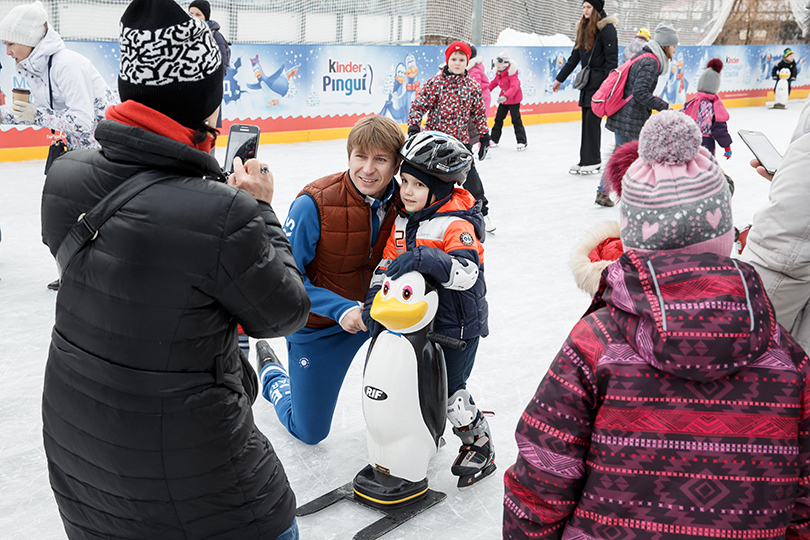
x=376 y=133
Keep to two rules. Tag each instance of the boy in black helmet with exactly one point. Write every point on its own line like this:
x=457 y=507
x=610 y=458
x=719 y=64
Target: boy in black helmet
x=438 y=232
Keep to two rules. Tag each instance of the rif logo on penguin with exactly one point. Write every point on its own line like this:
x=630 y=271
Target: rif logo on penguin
x=375 y=393
x=358 y=78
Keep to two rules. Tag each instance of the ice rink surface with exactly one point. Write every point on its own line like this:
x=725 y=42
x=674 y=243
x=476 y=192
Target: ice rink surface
x=540 y=212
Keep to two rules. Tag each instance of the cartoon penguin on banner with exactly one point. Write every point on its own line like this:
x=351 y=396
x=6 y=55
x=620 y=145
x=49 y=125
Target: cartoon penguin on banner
x=394 y=106
x=273 y=85
x=411 y=84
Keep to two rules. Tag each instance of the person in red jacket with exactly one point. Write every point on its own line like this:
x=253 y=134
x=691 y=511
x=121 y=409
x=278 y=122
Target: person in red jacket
x=509 y=100
x=450 y=99
x=677 y=407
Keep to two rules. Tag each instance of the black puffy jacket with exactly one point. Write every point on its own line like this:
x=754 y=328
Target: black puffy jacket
x=642 y=79
x=148 y=428
x=603 y=57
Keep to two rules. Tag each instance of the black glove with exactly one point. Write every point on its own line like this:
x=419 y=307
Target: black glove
x=484 y=148
x=374 y=327
x=413 y=129
x=401 y=265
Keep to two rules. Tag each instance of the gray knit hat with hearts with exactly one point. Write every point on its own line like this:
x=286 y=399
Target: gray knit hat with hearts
x=674 y=196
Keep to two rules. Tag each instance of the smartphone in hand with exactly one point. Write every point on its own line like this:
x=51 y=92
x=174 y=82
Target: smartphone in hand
x=762 y=149
x=243 y=142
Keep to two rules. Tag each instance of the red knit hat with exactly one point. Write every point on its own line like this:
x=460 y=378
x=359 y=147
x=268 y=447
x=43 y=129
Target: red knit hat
x=457 y=46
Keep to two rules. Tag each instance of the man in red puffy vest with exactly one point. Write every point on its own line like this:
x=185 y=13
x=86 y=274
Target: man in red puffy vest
x=338 y=226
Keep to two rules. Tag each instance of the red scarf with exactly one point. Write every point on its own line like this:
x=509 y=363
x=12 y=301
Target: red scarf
x=132 y=113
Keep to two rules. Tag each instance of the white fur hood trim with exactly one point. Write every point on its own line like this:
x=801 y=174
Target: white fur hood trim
x=610 y=19
x=587 y=273
x=474 y=61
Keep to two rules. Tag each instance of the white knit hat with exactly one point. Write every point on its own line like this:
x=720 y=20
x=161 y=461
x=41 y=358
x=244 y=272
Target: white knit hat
x=24 y=24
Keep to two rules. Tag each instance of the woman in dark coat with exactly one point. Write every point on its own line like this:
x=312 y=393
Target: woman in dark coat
x=641 y=81
x=147 y=421
x=597 y=46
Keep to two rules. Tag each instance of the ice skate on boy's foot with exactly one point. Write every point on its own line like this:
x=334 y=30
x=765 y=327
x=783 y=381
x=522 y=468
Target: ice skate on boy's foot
x=521 y=146
x=271 y=373
x=575 y=169
x=476 y=458
x=488 y=226
x=590 y=169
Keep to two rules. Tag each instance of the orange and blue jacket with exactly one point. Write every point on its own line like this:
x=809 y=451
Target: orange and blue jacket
x=446 y=239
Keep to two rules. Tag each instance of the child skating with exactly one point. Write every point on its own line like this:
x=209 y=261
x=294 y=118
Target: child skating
x=509 y=100
x=708 y=111
x=438 y=232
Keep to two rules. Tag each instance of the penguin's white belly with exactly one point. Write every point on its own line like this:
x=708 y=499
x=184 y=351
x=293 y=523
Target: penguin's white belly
x=398 y=439
x=780 y=94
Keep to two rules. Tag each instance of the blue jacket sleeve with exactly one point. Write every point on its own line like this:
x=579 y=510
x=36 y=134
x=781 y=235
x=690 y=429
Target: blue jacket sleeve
x=303 y=231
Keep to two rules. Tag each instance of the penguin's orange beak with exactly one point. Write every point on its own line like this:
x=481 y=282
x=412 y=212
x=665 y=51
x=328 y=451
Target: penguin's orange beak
x=396 y=315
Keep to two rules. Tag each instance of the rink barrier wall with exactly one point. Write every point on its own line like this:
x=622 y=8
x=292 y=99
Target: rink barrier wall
x=298 y=93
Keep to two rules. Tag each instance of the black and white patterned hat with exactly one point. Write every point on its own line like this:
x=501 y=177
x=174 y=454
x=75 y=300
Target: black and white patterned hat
x=169 y=62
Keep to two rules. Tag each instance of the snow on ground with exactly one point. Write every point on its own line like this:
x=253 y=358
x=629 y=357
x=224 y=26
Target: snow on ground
x=540 y=212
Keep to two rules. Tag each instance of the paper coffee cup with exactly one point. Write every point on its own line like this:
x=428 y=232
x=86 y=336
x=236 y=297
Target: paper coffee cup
x=20 y=94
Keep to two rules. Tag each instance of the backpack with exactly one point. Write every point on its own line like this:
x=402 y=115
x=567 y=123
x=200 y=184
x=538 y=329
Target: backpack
x=607 y=100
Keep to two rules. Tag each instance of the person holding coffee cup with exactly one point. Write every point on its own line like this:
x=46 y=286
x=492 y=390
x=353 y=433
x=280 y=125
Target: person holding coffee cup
x=66 y=93
x=20 y=94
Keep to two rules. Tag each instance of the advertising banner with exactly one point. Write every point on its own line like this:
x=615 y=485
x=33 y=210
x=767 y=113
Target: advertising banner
x=302 y=92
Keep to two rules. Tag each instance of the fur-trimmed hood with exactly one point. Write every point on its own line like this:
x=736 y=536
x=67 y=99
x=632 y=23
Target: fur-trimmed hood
x=511 y=70
x=586 y=271
x=610 y=19
x=474 y=61
x=603 y=22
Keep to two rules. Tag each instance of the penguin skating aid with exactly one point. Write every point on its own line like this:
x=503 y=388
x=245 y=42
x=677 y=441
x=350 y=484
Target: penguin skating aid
x=781 y=92
x=404 y=401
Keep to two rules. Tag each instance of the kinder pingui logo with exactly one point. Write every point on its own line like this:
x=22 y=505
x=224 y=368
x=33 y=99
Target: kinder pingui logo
x=348 y=77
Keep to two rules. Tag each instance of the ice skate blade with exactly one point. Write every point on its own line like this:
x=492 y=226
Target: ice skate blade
x=393 y=518
x=467 y=481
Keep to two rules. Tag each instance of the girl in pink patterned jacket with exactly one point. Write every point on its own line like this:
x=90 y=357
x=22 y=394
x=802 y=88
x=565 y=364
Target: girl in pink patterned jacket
x=677 y=407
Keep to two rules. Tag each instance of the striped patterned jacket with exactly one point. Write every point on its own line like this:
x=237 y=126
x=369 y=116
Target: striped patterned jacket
x=677 y=408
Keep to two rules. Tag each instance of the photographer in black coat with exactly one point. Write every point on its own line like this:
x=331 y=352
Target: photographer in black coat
x=147 y=421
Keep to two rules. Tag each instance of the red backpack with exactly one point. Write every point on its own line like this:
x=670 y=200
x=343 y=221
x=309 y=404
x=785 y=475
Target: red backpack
x=608 y=99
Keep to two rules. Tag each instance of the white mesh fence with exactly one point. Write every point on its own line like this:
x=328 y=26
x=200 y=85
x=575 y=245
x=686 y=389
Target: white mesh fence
x=402 y=21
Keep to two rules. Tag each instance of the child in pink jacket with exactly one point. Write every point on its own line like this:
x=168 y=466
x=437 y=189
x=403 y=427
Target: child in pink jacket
x=509 y=100
x=707 y=109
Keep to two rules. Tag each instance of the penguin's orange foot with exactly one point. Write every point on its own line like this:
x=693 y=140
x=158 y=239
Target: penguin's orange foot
x=273 y=102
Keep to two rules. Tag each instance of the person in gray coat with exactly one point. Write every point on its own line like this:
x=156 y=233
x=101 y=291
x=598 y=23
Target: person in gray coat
x=778 y=245
x=642 y=78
